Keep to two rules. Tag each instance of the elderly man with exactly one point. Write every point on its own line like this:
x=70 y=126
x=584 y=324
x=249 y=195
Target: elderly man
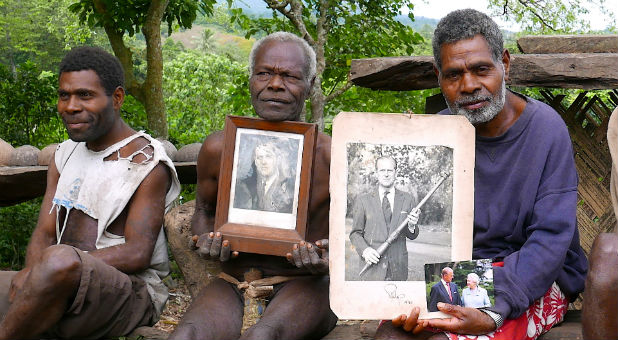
x=525 y=190
x=444 y=291
x=375 y=216
x=96 y=258
x=282 y=72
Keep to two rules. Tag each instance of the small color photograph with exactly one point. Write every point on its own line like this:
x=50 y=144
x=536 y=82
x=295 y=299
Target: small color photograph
x=464 y=283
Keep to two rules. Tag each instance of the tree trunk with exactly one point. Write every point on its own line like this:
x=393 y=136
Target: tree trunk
x=197 y=272
x=153 y=86
x=124 y=54
x=150 y=92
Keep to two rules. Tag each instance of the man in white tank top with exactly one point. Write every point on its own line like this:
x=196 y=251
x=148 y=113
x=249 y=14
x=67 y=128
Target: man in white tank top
x=96 y=258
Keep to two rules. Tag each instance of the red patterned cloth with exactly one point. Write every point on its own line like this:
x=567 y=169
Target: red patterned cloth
x=545 y=313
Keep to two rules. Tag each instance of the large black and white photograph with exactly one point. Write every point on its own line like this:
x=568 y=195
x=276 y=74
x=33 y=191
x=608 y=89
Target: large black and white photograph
x=399 y=210
x=266 y=178
x=402 y=196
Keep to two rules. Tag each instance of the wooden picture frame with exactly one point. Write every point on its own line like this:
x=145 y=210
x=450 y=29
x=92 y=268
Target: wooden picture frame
x=267 y=218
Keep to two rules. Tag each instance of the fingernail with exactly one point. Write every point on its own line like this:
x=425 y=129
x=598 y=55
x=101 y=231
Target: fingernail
x=440 y=304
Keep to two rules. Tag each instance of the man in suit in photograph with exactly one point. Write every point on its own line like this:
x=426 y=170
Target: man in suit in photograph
x=375 y=216
x=444 y=291
x=270 y=187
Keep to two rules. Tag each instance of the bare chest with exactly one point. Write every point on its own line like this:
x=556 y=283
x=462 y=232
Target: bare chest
x=80 y=230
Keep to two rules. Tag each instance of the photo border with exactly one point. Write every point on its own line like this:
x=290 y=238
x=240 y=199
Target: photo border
x=264 y=239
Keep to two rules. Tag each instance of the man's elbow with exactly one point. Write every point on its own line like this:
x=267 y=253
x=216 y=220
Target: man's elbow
x=141 y=260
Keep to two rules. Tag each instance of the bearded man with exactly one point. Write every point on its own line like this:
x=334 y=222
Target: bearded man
x=525 y=193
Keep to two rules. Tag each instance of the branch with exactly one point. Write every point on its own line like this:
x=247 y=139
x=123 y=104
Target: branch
x=322 y=32
x=294 y=14
x=530 y=7
x=339 y=91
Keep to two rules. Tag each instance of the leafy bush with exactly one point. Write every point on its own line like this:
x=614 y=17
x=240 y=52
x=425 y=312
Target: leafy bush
x=16 y=225
x=28 y=106
x=200 y=90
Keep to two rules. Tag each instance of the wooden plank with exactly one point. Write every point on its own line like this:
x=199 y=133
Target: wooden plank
x=394 y=73
x=22 y=183
x=574 y=70
x=581 y=43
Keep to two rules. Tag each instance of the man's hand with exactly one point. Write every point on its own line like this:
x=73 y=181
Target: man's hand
x=305 y=255
x=371 y=255
x=465 y=320
x=211 y=245
x=411 y=323
x=412 y=219
x=17 y=283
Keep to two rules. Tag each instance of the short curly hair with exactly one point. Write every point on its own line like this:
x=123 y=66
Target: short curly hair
x=466 y=24
x=105 y=65
x=310 y=66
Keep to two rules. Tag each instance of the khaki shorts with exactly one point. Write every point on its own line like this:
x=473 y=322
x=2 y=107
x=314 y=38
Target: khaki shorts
x=108 y=303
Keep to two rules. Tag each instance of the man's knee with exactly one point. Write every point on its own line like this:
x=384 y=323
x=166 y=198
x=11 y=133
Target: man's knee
x=605 y=246
x=186 y=331
x=60 y=265
x=603 y=256
x=262 y=330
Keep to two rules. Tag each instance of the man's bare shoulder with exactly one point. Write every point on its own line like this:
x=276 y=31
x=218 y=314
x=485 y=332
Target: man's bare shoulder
x=213 y=144
x=209 y=158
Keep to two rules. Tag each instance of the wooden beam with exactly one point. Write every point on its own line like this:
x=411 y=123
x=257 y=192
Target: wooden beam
x=591 y=71
x=394 y=73
x=23 y=183
x=582 y=43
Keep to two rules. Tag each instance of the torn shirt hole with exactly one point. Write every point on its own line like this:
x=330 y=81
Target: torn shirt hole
x=143 y=153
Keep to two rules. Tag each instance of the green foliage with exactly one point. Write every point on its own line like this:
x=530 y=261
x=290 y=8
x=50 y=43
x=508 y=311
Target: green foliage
x=16 y=225
x=130 y=16
x=220 y=18
x=40 y=31
x=366 y=100
x=134 y=114
x=28 y=106
x=549 y=16
x=200 y=90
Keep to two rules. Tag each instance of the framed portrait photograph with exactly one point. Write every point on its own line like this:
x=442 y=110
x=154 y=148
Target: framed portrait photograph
x=263 y=192
x=402 y=196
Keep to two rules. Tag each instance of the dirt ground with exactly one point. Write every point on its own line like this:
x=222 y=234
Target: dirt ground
x=177 y=305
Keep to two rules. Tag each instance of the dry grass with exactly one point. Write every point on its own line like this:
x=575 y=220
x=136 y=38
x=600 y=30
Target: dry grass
x=176 y=307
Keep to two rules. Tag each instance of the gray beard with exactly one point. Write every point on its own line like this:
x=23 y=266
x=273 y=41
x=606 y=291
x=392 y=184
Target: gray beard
x=484 y=114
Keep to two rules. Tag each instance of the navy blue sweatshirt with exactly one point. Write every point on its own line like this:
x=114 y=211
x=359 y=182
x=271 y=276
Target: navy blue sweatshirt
x=525 y=202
